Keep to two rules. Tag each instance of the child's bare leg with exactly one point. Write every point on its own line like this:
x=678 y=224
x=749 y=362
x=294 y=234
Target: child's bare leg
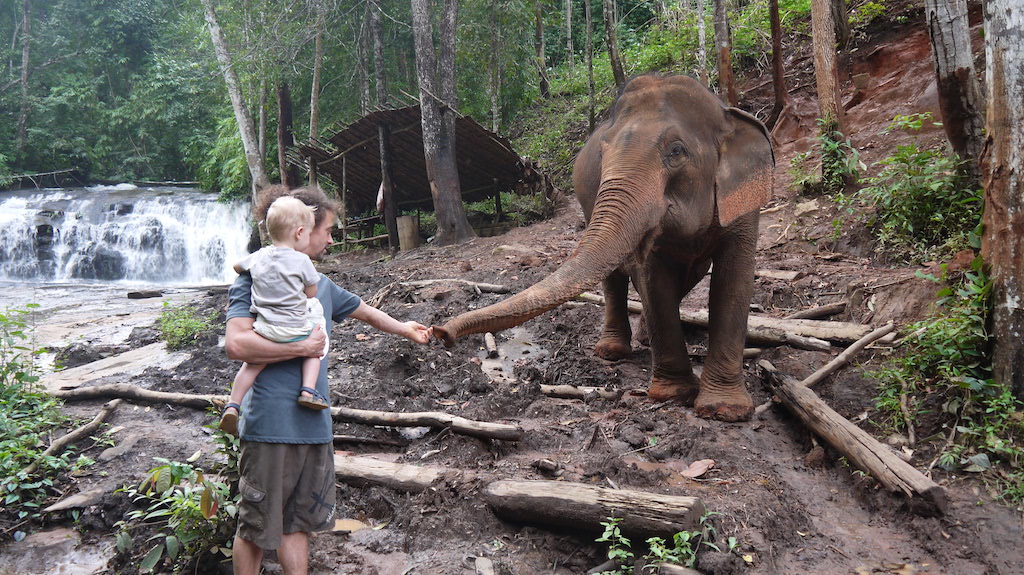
x=244 y=380
x=308 y=396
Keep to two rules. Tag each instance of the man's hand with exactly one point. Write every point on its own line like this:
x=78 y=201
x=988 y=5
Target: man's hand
x=313 y=346
x=417 y=332
x=244 y=344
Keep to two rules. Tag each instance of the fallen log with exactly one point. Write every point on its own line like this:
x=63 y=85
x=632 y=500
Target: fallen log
x=581 y=392
x=82 y=432
x=491 y=344
x=582 y=506
x=847 y=354
x=364 y=471
x=136 y=393
x=461 y=425
x=857 y=445
x=820 y=311
x=484 y=287
x=802 y=333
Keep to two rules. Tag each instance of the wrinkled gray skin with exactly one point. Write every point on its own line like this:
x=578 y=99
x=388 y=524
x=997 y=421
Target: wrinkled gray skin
x=670 y=184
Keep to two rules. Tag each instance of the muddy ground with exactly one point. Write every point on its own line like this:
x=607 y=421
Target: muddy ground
x=793 y=504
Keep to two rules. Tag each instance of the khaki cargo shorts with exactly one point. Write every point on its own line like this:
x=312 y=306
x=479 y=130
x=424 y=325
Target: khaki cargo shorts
x=286 y=488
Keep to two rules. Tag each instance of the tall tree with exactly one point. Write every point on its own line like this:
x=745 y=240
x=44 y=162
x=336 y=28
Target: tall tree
x=702 y=42
x=568 y=34
x=285 y=136
x=723 y=46
x=26 y=42
x=494 y=68
x=611 y=39
x=960 y=97
x=314 y=90
x=1003 y=246
x=538 y=44
x=364 y=61
x=590 y=64
x=242 y=116
x=778 y=71
x=387 y=180
x=826 y=75
x=438 y=119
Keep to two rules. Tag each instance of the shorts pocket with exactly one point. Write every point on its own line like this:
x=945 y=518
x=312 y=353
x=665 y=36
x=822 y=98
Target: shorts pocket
x=251 y=513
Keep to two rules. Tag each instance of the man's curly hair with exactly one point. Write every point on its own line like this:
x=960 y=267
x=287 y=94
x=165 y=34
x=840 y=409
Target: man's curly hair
x=312 y=196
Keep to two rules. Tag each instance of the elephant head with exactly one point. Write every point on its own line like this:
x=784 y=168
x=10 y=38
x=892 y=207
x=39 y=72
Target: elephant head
x=670 y=162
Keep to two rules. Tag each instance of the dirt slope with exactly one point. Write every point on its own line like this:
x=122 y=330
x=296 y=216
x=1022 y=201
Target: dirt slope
x=794 y=508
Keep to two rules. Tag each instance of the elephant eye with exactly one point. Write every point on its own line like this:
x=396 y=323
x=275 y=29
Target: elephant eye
x=676 y=150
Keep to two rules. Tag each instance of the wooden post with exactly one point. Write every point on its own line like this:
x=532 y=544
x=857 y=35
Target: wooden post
x=497 y=202
x=344 y=217
x=390 y=206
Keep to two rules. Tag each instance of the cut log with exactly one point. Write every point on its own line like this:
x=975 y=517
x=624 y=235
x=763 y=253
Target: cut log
x=489 y=288
x=136 y=393
x=461 y=425
x=581 y=506
x=145 y=294
x=818 y=312
x=82 y=432
x=858 y=446
x=785 y=275
x=581 y=392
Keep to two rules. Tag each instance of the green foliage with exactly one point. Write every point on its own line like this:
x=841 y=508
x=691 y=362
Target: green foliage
x=924 y=205
x=865 y=13
x=838 y=163
x=180 y=326
x=681 y=550
x=222 y=165
x=946 y=359
x=28 y=417
x=183 y=514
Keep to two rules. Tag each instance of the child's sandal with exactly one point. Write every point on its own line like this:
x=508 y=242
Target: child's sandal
x=229 y=420
x=316 y=400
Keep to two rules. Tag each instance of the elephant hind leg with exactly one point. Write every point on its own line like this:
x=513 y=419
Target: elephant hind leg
x=616 y=335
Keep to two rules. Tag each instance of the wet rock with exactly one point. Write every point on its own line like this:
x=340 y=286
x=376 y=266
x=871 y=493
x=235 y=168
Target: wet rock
x=78 y=354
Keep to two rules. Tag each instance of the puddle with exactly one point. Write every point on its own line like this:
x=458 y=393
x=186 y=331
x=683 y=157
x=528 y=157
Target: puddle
x=514 y=345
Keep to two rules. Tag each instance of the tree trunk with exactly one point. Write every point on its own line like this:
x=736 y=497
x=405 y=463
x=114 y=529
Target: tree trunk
x=702 y=42
x=438 y=130
x=590 y=64
x=285 y=137
x=612 y=40
x=778 y=71
x=363 y=59
x=568 y=34
x=494 y=70
x=960 y=97
x=538 y=44
x=314 y=91
x=1003 y=246
x=841 y=19
x=825 y=73
x=261 y=130
x=26 y=37
x=242 y=117
x=383 y=130
x=723 y=46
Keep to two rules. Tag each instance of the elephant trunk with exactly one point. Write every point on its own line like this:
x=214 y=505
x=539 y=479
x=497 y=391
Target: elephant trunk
x=627 y=209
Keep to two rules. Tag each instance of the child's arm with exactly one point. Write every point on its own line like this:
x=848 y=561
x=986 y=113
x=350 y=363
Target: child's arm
x=238 y=268
x=310 y=291
x=410 y=330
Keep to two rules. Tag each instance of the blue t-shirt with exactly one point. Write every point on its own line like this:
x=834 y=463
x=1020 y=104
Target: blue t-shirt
x=270 y=413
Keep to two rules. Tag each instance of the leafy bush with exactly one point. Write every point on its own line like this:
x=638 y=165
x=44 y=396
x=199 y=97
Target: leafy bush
x=189 y=514
x=682 y=550
x=838 y=163
x=947 y=358
x=180 y=326
x=924 y=206
x=27 y=417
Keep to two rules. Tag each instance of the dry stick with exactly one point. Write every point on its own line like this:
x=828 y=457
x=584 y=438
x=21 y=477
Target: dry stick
x=461 y=425
x=578 y=392
x=457 y=424
x=491 y=344
x=911 y=436
x=490 y=288
x=819 y=312
x=84 y=431
x=853 y=442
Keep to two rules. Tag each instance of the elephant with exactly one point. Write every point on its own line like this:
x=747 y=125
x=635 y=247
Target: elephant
x=670 y=184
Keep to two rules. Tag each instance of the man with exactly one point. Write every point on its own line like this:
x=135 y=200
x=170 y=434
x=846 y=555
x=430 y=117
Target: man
x=287 y=457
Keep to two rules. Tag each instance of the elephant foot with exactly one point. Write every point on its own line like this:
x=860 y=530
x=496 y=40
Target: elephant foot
x=663 y=389
x=612 y=348
x=730 y=407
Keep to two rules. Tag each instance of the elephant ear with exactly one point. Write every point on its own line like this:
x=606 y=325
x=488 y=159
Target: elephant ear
x=746 y=165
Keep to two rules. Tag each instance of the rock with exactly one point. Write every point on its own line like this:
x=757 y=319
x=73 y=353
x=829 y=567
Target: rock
x=144 y=294
x=55 y=551
x=78 y=500
x=815 y=458
x=120 y=449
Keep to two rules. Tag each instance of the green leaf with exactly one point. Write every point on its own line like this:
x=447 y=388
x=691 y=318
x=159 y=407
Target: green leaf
x=124 y=541
x=173 y=546
x=151 y=559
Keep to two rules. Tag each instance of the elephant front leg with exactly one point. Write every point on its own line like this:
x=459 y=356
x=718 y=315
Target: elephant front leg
x=614 y=343
x=723 y=393
x=672 y=375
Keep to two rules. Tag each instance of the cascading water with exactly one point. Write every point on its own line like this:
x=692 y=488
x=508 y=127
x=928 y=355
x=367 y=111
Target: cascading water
x=120 y=233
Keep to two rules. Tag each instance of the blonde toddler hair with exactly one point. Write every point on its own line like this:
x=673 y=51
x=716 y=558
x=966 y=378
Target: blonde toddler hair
x=287 y=214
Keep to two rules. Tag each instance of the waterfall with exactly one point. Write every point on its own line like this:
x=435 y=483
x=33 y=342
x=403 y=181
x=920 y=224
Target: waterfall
x=120 y=233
